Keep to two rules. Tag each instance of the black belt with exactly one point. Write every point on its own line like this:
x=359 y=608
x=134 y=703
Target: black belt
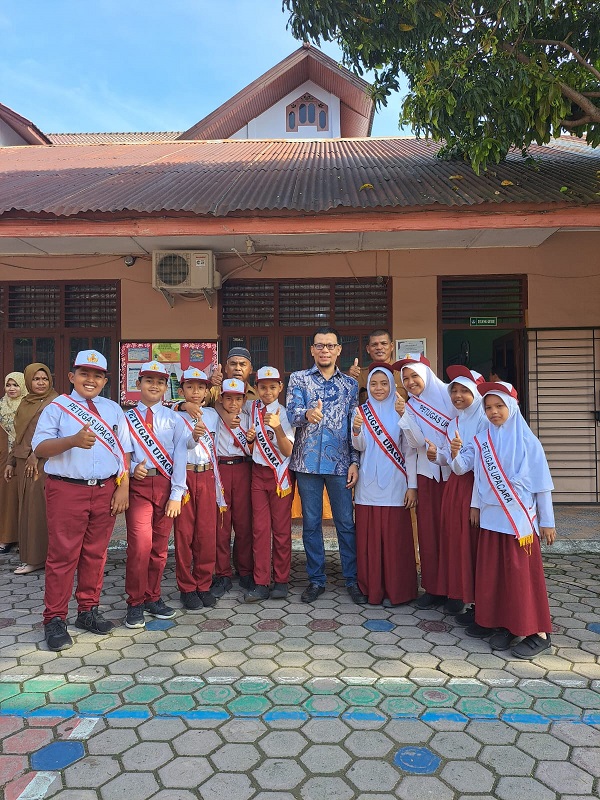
x=82 y=481
x=234 y=460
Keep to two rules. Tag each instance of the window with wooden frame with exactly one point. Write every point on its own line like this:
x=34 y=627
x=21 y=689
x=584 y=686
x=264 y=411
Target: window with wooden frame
x=307 y=110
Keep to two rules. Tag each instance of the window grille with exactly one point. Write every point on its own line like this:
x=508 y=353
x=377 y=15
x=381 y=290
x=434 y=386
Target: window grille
x=304 y=304
x=33 y=306
x=363 y=305
x=249 y=305
x=90 y=305
x=501 y=297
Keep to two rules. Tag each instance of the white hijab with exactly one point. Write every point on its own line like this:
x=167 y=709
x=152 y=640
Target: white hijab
x=375 y=465
x=471 y=420
x=435 y=394
x=519 y=451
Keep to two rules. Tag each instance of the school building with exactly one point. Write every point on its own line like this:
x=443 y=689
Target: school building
x=279 y=213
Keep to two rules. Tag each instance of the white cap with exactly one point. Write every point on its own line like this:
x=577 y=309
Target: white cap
x=154 y=368
x=90 y=358
x=194 y=374
x=268 y=374
x=233 y=386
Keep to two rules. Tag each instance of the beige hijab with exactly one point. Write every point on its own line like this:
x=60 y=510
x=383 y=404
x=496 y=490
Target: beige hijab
x=9 y=405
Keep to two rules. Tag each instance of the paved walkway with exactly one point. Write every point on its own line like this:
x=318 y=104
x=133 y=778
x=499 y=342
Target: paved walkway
x=281 y=700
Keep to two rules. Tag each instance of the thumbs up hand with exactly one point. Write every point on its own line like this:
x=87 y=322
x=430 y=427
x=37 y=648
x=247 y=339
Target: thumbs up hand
x=357 y=423
x=84 y=438
x=273 y=420
x=251 y=434
x=217 y=376
x=431 y=450
x=199 y=427
x=455 y=445
x=400 y=404
x=354 y=370
x=140 y=472
x=315 y=415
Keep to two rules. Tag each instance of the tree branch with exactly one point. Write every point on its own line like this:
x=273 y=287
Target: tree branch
x=574 y=53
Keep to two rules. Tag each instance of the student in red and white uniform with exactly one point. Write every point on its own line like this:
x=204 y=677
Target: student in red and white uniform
x=459 y=533
x=158 y=485
x=86 y=441
x=196 y=526
x=234 y=442
x=515 y=492
x=272 y=489
x=385 y=493
x=425 y=417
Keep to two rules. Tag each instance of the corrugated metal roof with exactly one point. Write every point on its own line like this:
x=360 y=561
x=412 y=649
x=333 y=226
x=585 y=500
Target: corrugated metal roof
x=221 y=177
x=131 y=137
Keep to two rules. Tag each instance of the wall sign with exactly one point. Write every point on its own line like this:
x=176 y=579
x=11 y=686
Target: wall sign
x=483 y=322
x=404 y=346
x=176 y=356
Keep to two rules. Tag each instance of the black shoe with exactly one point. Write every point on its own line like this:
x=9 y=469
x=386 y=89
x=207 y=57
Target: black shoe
x=191 y=601
x=467 y=617
x=453 y=606
x=531 y=646
x=501 y=640
x=356 y=595
x=247 y=583
x=476 y=631
x=208 y=598
x=428 y=600
x=6 y=548
x=279 y=591
x=158 y=609
x=135 y=617
x=56 y=634
x=220 y=585
x=93 y=621
x=312 y=591
x=257 y=594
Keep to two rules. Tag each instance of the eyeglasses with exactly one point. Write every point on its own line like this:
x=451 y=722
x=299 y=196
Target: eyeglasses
x=329 y=347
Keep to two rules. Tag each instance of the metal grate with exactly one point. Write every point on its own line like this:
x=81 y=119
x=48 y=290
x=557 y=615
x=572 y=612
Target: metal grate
x=360 y=304
x=33 y=306
x=463 y=298
x=304 y=304
x=564 y=367
x=248 y=305
x=90 y=305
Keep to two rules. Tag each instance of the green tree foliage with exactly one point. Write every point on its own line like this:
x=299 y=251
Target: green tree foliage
x=483 y=77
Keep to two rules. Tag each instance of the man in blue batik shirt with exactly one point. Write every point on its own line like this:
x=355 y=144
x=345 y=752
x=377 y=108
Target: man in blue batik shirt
x=320 y=403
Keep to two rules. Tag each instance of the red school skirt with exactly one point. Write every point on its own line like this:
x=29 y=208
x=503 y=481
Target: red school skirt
x=429 y=511
x=458 y=540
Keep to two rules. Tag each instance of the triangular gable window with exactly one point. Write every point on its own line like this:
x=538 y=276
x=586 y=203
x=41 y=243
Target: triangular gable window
x=307 y=110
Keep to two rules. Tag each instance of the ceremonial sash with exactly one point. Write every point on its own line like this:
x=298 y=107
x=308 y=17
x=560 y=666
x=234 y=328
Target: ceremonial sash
x=382 y=436
x=207 y=443
x=278 y=464
x=510 y=502
x=239 y=437
x=154 y=451
x=452 y=427
x=106 y=436
x=430 y=415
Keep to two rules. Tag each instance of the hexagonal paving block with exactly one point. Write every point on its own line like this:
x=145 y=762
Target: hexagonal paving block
x=564 y=778
x=368 y=744
x=249 y=705
x=527 y=788
x=420 y=760
x=132 y=785
x=361 y=696
x=323 y=731
x=467 y=776
x=324 y=759
x=455 y=745
x=196 y=743
x=287 y=695
x=330 y=788
x=507 y=760
x=57 y=755
x=279 y=773
x=324 y=705
x=235 y=757
x=372 y=775
x=147 y=756
x=112 y=742
x=216 y=694
x=436 y=697
x=424 y=788
x=185 y=772
x=283 y=743
x=543 y=746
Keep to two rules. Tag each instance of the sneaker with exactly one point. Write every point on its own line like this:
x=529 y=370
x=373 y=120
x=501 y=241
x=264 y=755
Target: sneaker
x=501 y=640
x=312 y=591
x=158 y=609
x=220 y=585
x=531 y=646
x=257 y=594
x=93 y=621
x=191 y=601
x=467 y=617
x=279 y=591
x=453 y=606
x=208 y=598
x=135 y=617
x=356 y=595
x=428 y=600
x=247 y=583
x=56 y=635
x=476 y=631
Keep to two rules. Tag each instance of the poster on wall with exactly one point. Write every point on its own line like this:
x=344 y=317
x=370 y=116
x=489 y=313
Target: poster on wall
x=404 y=346
x=176 y=356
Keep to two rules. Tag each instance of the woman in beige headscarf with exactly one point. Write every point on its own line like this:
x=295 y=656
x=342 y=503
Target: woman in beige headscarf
x=33 y=531
x=14 y=391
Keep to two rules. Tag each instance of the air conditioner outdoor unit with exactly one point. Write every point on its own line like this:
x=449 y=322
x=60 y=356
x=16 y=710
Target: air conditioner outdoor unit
x=180 y=271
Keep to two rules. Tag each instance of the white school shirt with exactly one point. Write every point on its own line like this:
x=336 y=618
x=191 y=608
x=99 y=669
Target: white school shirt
x=196 y=454
x=226 y=447
x=96 y=463
x=257 y=454
x=416 y=439
x=171 y=433
x=393 y=494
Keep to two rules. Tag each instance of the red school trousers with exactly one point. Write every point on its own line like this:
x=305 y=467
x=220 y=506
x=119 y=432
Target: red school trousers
x=79 y=529
x=271 y=516
x=196 y=534
x=236 y=488
x=148 y=532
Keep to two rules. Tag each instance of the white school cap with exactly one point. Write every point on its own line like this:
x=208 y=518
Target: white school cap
x=268 y=374
x=195 y=374
x=233 y=386
x=90 y=358
x=154 y=368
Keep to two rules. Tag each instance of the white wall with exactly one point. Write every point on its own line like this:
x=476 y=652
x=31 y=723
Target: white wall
x=271 y=123
x=8 y=137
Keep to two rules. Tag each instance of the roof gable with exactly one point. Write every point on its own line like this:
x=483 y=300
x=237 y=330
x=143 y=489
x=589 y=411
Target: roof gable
x=305 y=64
x=23 y=127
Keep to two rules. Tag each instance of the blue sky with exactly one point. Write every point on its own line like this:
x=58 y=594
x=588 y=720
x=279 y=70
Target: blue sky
x=133 y=65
